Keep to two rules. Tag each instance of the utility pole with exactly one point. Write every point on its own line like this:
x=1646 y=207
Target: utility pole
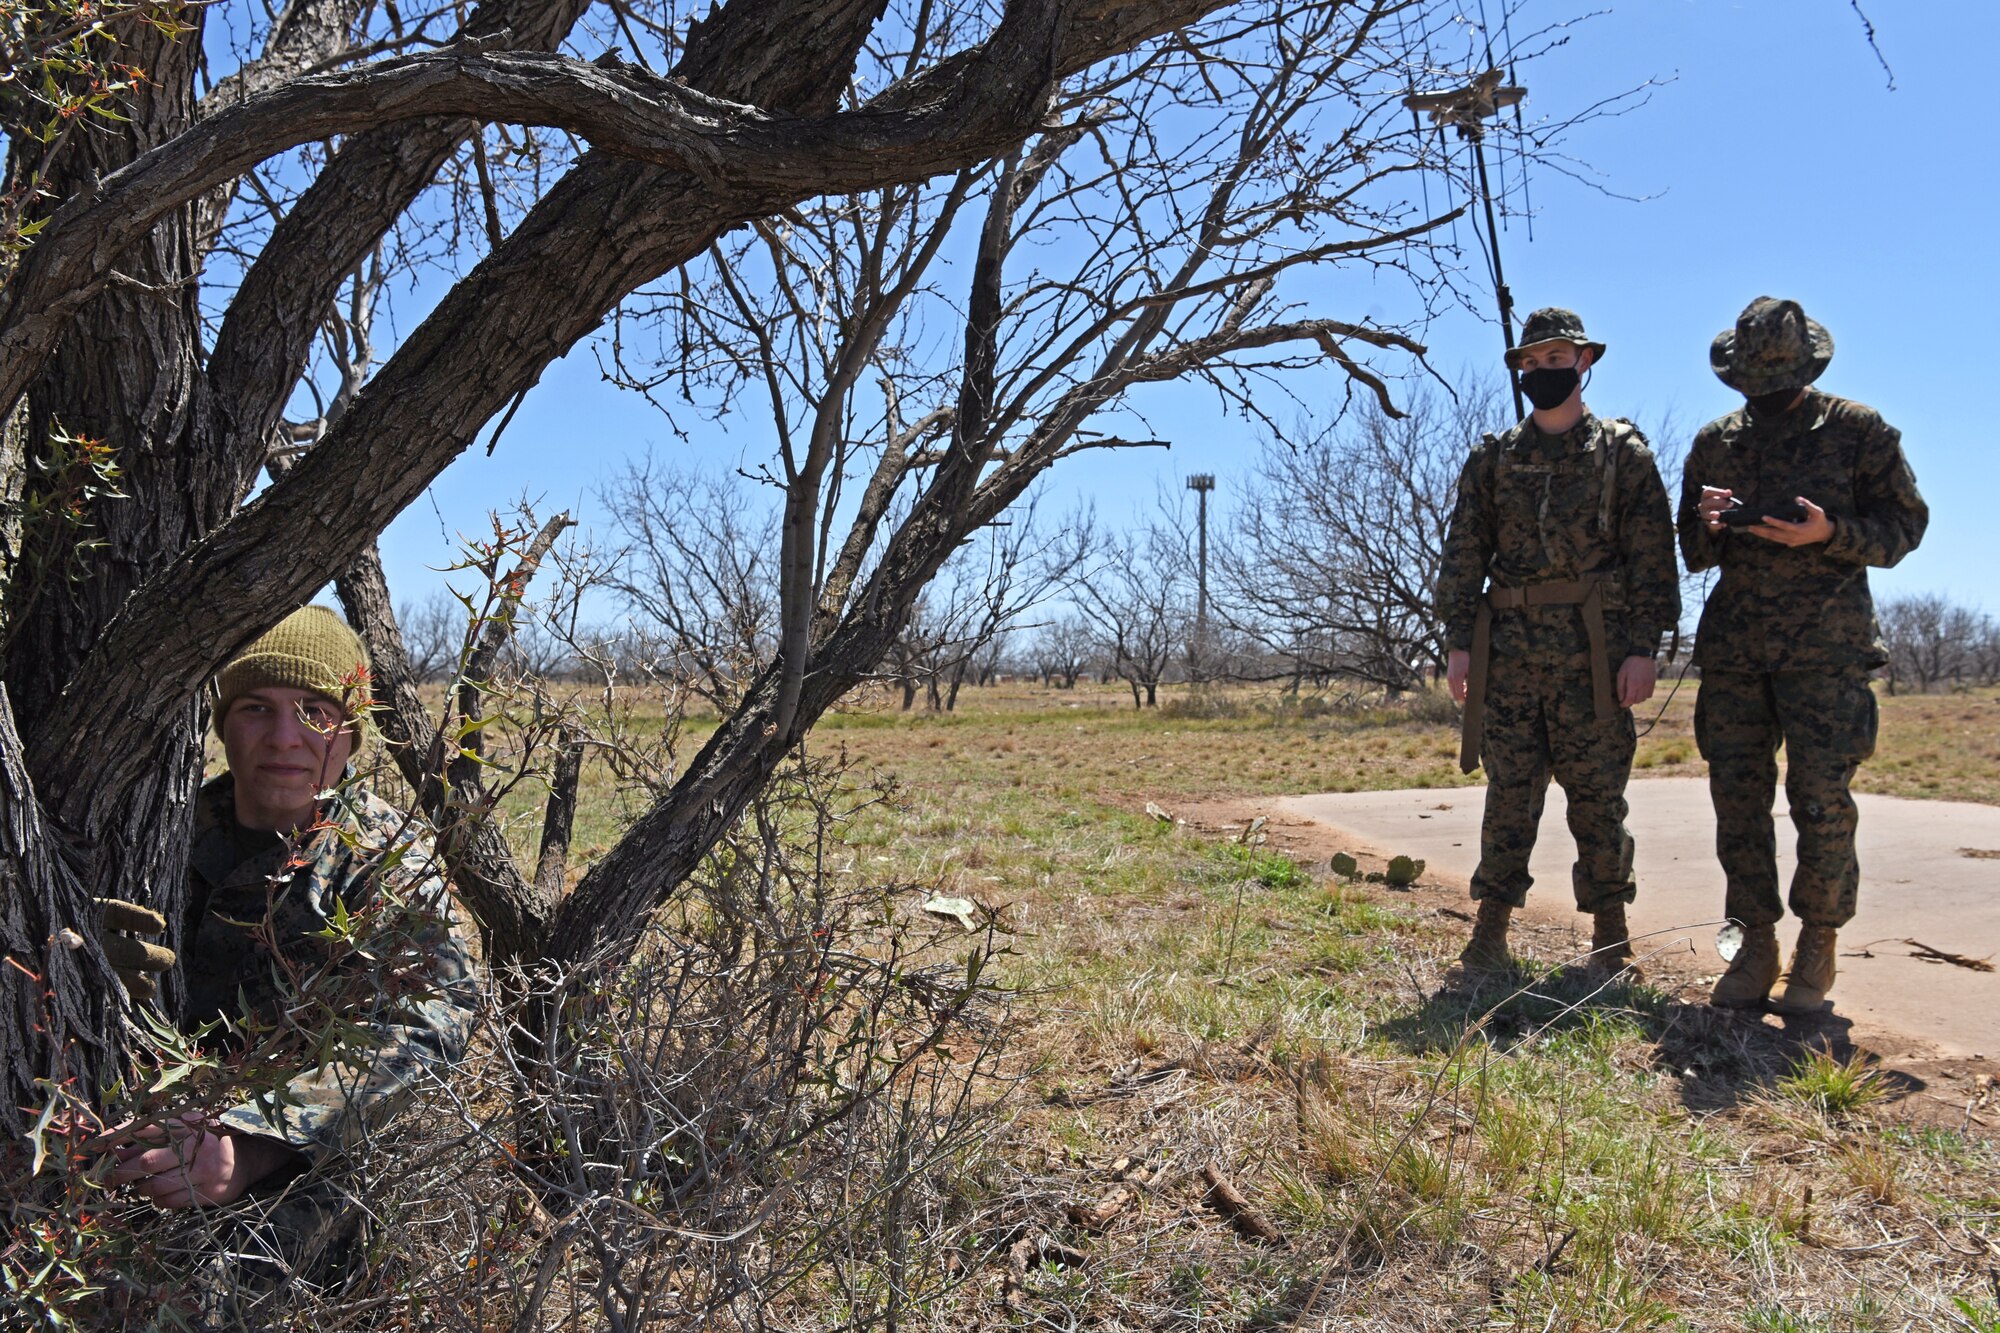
x=1467 y=110
x=1201 y=483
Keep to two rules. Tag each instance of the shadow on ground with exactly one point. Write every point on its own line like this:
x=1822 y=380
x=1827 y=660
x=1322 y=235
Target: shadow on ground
x=1719 y=1058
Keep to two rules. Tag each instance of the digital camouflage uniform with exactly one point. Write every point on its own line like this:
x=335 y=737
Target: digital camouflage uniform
x=1788 y=639
x=400 y=997
x=1538 y=509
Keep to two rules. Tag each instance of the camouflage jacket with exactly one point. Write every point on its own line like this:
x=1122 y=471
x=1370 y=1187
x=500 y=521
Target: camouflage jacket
x=1783 y=607
x=1532 y=508
x=339 y=956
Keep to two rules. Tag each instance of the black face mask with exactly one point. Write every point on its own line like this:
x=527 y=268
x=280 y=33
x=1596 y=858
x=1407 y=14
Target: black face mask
x=1548 y=388
x=1771 y=404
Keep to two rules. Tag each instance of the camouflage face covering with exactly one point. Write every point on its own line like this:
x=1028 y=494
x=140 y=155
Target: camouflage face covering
x=1773 y=348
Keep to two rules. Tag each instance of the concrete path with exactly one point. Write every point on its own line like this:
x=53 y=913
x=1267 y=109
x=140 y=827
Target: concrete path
x=1916 y=883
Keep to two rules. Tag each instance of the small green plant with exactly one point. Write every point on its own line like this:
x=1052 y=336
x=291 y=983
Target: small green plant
x=1834 y=1086
x=1979 y=1316
x=1273 y=870
x=51 y=523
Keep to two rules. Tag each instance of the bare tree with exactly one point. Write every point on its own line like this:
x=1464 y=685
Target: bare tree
x=1012 y=570
x=1062 y=650
x=1335 y=549
x=433 y=632
x=1141 y=603
x=697 y=570
x=958 y=629
x=1986 y=653
x=1934 y=642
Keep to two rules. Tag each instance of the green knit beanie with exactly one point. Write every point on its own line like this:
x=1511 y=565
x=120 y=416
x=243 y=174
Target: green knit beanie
x=310 y=649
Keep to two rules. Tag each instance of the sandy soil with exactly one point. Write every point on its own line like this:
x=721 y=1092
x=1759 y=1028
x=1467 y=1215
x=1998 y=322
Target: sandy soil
x=1942 y=1082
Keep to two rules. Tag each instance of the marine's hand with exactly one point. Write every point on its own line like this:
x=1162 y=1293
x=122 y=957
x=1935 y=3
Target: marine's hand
x=1636 y=679
x=1815 y=527
x=136 y=962
x=1457 y=666
x=1714 y=499
x=189 y=1162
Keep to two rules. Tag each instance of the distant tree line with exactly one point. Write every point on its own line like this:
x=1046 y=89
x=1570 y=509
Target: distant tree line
x=1936 y=644
x=1321 y=574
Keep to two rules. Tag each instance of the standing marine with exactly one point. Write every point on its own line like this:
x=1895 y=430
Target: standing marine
x=1793 y=496
x=1557 y=582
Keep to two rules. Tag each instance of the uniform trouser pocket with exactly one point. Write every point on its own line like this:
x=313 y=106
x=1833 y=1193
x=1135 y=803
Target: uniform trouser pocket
x=1830 y=721
x=1541 y=723
x=1826 y=721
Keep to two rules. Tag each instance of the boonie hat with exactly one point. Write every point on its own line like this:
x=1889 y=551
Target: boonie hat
x=1553 y=324
x=1772 y=348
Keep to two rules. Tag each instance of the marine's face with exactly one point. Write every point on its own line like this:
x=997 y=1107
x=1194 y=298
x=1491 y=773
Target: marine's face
x=1552 y=356
x=285 y=746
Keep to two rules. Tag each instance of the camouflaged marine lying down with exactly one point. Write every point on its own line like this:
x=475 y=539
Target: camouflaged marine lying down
x=273 y=863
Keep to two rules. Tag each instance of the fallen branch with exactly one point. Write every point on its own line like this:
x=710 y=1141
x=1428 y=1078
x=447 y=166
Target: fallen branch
x=1038 y=1248
x=1930 y=955
x=1226 y=1200
x=1097 y=1216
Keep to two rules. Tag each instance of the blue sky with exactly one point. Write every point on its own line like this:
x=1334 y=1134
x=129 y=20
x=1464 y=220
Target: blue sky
x=1776 y=161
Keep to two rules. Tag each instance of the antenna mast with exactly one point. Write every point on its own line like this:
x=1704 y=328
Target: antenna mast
x=1467 y=110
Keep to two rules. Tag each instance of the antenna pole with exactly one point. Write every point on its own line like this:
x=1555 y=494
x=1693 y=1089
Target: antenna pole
x=1467 y=110
x=1500 y=291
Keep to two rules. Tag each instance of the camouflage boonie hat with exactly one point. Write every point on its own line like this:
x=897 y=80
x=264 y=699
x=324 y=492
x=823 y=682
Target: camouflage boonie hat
x=1553 y=324
x=1772 y=348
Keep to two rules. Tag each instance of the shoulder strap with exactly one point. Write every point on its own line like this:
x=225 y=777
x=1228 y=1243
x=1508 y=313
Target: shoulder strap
x=1615 y=436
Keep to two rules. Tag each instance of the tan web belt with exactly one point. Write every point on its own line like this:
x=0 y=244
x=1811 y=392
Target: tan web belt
x=1587 y=593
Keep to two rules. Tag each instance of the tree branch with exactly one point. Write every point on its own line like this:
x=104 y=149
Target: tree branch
x=621 y=224
x=511 y=911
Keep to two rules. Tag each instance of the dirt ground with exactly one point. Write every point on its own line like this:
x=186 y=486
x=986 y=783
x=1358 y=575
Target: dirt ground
x=1932 y=1090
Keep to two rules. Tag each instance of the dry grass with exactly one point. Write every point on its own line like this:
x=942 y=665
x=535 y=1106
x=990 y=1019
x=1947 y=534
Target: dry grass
x=1559 y=1156
x=1938 y=747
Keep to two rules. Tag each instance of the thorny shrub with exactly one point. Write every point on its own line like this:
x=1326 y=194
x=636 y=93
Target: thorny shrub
x=79 y=1253
x=757 y=1118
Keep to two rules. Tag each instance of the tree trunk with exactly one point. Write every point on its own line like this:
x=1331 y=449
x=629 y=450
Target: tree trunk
x=127 y=373
x=511 y=911
x=57 y=994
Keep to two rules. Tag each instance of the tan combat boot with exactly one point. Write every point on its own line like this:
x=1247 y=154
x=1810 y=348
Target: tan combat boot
x=1611 y=944
x=1754 y=971
x=1486 y=952
x=1803 y=987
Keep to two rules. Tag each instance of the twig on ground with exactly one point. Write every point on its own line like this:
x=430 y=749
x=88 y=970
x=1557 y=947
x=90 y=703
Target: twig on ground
x=1236 y=1210
x=1038 y=1248
x=1930 y=955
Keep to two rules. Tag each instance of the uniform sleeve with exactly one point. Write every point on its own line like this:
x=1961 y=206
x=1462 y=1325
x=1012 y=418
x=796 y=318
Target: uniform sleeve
x=1646 y=530
x=403 y=1004
x=1700 y=548
x=1468 y=548
x=1890 y=515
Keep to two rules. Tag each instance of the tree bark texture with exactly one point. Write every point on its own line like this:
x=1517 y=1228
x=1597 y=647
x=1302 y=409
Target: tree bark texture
x=57 y=1002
